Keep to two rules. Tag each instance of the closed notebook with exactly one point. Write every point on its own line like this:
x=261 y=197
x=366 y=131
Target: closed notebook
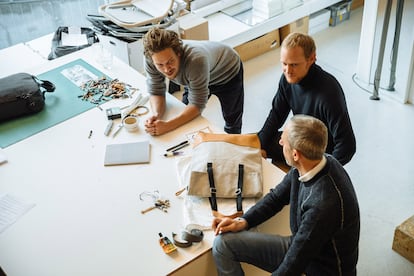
x=127 y=153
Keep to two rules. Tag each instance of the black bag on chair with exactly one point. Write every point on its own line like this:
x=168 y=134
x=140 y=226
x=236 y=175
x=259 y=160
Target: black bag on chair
x=22 y=94
x=59 y=50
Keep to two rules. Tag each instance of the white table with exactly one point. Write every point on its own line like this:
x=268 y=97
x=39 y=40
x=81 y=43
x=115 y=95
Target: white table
x=18 y=58
x=87 y=218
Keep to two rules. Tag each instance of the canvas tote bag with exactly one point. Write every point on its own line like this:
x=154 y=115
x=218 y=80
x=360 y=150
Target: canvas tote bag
x=226 y=166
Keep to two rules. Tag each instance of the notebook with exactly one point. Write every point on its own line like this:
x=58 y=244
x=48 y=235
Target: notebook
x=127 y=153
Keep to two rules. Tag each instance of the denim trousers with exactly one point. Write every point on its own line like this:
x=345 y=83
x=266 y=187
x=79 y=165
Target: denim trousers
x=259 y=249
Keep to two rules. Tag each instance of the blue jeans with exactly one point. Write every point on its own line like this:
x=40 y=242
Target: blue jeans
x=261 y=250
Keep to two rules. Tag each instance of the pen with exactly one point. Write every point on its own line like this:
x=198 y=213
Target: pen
x=176 y=146
x=174 y=153
x=180 y=147
x=90 y=134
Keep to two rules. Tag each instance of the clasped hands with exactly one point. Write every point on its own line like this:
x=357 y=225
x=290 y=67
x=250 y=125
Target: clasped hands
x=154 y=126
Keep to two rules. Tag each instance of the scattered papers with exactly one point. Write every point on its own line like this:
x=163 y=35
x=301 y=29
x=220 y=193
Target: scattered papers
x=11 y=209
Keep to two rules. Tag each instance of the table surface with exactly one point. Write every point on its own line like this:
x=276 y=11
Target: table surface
x=87 y=219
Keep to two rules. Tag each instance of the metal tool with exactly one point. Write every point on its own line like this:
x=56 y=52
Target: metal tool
x=120 y=126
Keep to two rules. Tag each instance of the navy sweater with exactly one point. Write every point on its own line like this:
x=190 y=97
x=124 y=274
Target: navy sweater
x=324 y=220
x=319 y=95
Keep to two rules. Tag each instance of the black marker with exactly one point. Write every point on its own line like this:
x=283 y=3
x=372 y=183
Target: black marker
x=180 y=147
x=176 y=147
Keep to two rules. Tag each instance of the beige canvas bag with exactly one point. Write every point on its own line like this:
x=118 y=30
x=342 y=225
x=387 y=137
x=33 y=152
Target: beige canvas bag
x=225 y=153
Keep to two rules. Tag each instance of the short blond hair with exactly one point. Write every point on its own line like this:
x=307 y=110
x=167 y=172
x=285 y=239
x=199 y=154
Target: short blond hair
x=303 y=41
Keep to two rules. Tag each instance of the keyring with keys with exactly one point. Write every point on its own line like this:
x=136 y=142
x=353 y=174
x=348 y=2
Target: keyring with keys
x=161 y=204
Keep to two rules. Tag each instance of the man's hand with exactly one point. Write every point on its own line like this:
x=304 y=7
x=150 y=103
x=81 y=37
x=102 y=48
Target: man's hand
x=223 y=225
x=155 y=127
x=150 y=125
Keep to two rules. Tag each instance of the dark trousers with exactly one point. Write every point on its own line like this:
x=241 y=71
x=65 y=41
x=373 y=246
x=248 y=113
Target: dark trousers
x=231 y=97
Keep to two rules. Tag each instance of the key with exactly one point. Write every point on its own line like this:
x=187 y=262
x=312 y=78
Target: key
x=148 y=209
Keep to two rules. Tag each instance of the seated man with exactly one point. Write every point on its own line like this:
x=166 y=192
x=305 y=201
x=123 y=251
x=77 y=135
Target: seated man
x=324 y=214
x=305 y=88
x=203 y=68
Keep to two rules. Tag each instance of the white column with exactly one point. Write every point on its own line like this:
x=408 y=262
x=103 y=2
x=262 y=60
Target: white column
x=410 y=83
x=365 y=69
x=371 y=30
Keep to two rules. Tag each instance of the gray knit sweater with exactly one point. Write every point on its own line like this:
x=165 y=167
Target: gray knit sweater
x=203 y=64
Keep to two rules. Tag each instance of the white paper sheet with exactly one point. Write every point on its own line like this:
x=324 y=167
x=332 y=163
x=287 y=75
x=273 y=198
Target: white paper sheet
x=74 y=37
x=11 y=209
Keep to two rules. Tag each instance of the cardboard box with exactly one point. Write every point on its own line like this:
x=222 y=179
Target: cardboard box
x=404 y=239
x=193 y=27
x=356 y=4
x=299 y=26
x=258 y=46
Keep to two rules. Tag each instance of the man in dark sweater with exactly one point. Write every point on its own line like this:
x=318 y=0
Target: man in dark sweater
x=305 y=88
x=324 y=214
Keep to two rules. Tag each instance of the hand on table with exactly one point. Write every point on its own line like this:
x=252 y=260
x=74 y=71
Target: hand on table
x=223 y=225
x=155 y=127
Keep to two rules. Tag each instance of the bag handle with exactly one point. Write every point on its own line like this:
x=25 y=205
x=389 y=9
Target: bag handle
x=47 y=85
x=213 y=198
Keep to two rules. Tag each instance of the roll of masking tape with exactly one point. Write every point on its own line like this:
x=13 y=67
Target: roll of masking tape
x=130 y=123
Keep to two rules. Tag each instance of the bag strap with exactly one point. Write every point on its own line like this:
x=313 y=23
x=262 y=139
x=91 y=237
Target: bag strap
x=212 y=199
x=240 y=189
x=47 y=85
x=213 y=191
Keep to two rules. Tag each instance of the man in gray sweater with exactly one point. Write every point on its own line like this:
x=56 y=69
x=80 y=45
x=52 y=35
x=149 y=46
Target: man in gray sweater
x=203 y=68
x=324 y=214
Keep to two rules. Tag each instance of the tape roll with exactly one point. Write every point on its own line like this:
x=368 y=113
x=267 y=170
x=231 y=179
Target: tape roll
x=188 y=237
